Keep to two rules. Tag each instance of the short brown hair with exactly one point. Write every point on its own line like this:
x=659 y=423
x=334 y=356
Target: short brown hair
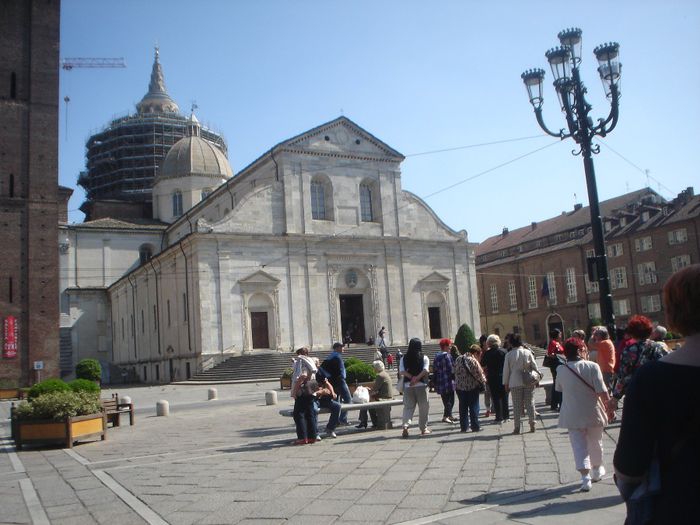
x=682 y=300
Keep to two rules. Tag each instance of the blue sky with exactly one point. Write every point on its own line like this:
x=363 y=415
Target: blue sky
x=421 y=76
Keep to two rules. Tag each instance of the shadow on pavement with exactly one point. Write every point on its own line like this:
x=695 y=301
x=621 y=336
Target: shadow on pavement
x=565 y=507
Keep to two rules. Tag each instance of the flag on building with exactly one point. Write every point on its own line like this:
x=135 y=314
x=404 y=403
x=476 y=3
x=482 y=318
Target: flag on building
x=545 y=289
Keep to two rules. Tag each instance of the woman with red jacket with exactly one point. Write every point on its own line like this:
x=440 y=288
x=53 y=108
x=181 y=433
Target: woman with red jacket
x=555 y=349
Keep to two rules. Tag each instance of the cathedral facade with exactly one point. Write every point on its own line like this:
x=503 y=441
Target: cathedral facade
x=314 y=242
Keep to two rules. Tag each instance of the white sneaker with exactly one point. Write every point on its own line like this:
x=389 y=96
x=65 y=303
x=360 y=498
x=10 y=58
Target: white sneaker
x=585 y=483
x=331 y=434
x=597 y=473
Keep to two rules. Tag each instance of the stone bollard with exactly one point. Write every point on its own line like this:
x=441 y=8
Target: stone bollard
x=162 y=408
x=212 y=395
x=271 y=397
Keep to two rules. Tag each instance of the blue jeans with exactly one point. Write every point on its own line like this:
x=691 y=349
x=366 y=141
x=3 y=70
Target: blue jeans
x=305 y=417
x=343 y=392
x=332 y=405
x=469 y=402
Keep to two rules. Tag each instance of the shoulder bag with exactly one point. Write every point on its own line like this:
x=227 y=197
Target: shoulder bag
x=530 y=376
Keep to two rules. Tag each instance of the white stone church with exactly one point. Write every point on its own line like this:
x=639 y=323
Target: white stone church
x=312 y=242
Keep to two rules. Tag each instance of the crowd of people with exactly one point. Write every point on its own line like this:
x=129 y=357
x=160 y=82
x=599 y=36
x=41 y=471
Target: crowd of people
x=657 y=465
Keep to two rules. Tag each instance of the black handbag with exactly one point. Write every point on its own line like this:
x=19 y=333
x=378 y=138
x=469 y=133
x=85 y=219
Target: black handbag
x=553 y=361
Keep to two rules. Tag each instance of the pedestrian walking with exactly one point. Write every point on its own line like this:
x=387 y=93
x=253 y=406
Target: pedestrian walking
x=414 y=369
x=469 y=382
x=519 y=363
x=583 y=410
x=493 y=360
x=657 y=453
x=443 y=379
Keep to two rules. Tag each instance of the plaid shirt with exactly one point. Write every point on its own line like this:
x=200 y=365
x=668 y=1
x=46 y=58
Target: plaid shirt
x=443 y=373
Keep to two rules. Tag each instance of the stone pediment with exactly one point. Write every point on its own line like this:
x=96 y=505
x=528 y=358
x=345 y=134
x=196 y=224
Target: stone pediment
x=341 y=138
x=260 y=279
x=434 y=281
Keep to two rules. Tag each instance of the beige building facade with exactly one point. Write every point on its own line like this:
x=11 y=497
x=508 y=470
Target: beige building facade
x=314 y=241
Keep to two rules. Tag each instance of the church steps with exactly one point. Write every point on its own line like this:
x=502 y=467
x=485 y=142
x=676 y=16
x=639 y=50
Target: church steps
x=269 y=366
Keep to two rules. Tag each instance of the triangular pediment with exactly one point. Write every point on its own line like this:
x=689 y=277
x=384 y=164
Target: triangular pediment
x=435 y=278
x=341 y=137
x=260 y=278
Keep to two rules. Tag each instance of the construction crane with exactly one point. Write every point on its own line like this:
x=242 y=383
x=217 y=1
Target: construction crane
x=90 y=63
x=70 y=63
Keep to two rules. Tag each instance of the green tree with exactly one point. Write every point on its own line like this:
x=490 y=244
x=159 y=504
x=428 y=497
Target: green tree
x=89 y=369
x=464 y=338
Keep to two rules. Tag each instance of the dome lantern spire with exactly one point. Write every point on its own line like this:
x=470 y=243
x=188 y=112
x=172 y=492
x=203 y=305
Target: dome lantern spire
x=157 y=99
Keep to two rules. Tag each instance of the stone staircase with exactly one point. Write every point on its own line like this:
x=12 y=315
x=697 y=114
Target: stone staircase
x=269 y=365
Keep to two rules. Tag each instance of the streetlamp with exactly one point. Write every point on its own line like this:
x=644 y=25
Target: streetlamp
x=564 y=61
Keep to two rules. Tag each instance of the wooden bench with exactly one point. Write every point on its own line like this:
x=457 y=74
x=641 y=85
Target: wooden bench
x=359 y=406
x=113 y=410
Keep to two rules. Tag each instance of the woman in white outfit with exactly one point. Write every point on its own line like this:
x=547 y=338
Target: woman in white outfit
x=518 y=360
x=582 y=386
x=414 y=369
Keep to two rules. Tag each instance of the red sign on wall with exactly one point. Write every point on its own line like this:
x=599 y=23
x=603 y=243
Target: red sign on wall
x=9 y=347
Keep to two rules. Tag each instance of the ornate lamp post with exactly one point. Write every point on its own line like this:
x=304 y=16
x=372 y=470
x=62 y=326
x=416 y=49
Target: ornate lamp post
x=564 y=61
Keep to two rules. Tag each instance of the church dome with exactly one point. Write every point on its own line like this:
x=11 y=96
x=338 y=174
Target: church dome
x=194 y=156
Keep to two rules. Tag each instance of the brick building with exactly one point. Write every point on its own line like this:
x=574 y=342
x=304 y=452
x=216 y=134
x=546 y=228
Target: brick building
x=29 y=191
x=534 y=278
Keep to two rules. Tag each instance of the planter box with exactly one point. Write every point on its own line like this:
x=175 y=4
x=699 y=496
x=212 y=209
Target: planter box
x=50 y=432
x=285 y=383
x=10 y=393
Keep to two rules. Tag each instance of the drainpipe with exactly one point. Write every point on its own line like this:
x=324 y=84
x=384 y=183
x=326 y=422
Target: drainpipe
x=133 y=315
x=155 y=276
x=187 y=290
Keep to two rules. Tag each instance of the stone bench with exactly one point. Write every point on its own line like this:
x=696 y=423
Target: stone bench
x=382 y=423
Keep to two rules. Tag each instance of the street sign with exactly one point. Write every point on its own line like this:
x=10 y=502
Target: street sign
x=38 y=365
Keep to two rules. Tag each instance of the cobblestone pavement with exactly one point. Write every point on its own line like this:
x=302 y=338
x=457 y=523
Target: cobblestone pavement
x=229 y=461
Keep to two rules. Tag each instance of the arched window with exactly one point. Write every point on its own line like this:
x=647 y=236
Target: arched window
x=177 y=203
x=366 y=212
x=145 y=253
x=318 y=200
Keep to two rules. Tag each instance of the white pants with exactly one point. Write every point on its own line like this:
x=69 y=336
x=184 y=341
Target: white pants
x=413 y=395
x=587 y=445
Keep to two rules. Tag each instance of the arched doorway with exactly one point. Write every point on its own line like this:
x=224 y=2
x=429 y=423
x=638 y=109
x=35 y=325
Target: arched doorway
x=554 y=321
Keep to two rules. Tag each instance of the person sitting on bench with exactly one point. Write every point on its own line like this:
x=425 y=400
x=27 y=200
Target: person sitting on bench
x=381 y=390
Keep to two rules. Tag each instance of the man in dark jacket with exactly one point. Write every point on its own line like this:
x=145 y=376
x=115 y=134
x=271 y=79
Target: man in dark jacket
x=492 y=361
x=334 y=366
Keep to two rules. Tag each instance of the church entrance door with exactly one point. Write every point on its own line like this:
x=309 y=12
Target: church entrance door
x=258 y=324
x=434 y=322
x=352 y=318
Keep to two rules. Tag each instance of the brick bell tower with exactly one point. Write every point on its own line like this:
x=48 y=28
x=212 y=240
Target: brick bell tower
x=29 y=193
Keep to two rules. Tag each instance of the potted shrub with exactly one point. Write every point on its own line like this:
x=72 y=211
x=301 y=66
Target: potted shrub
x=359 y=373
x=286 y=378
x=89 y=369
x=58 y=417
